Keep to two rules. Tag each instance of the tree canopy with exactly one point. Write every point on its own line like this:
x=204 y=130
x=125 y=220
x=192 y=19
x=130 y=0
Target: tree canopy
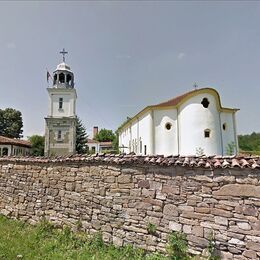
x=11 y=123
x=37 y=142
x=249 y=142
x=105 y=135
x=81 y=137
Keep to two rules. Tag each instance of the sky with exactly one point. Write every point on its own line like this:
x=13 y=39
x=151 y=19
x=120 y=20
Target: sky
x=127 y=55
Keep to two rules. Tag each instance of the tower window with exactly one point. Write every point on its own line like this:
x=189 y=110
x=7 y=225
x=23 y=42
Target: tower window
x=68 y=80
x=60 y=103
x=207 y=133
x=205 y=102
x=224 y=126
x=55 y=79
x=62 y=78
x=59 y=135
x=145 y=150
x=140 y=147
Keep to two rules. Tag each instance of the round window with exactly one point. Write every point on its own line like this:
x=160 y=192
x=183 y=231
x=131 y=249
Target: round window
x=168 y=126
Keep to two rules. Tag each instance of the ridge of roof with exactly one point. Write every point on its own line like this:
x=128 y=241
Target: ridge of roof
x=210 y=162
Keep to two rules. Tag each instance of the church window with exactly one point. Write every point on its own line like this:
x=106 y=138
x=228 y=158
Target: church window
x=145 y=150
x=62 y=78
x=206 y=133
x=205 y=102
x=68 y=79
x=168 y=126
x=55 y=79
x=60 y=103
x=141 y=146
x=5 y=151
x=59 y=134
x=224 y=126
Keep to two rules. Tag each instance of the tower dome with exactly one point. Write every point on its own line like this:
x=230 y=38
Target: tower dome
x=63 y=77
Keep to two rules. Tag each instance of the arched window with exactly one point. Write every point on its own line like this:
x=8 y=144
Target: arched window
x=62 y=78
x=68 y=79
x=55 y=79
x=207 y=133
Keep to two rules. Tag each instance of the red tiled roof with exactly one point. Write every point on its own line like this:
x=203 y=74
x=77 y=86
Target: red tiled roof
x=91 y=141
x=18 y=142
x=212 y=162
x=175 y=101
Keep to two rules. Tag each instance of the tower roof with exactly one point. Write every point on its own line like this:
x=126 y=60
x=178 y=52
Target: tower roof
x=63 y=66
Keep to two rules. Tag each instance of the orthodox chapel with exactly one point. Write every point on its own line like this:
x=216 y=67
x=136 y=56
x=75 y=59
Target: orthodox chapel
x=60 y=123
x=194 y=123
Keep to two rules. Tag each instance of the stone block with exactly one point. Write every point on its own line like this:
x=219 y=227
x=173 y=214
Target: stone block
x=170 y=189
x=250 y=254
x=124 y=178
x=221 y=220
x=253 y=246
x=144 y=184
x=244 y=225
x=117 y=241
x=170 y=210
x=197 y=231
x=175 y=226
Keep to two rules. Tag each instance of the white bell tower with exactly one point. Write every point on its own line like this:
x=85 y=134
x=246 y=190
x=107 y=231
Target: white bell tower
x=60 y=124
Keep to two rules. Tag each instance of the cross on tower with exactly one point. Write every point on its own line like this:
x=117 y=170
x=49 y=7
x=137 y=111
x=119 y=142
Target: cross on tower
x=63 y=52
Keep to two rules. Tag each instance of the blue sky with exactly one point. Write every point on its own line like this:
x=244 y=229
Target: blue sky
x=127 y=55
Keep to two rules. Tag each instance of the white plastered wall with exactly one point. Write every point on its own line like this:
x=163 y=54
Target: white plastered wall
x=166 y=141
x=228 y=135
x=193 y=120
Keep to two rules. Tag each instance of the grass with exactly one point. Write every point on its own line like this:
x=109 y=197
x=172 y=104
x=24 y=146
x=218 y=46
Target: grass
x=19 y=240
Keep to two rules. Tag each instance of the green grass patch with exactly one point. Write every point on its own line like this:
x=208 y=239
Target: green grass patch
x=19 y=240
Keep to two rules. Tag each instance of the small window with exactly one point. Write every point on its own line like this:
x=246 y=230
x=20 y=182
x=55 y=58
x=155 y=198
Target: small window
x=60 y=103
x=224 y=126
x=207 y=133
x=93 y=149
x=205 y=102
x=168 y=126
x=141 y=146
x=145 y=150
x=59 y=134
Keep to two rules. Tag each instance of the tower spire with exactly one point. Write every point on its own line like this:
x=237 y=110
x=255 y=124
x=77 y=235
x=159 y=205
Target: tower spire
x=63 y=52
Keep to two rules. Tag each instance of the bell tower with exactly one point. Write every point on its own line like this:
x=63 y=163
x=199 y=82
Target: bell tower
x=60 y=124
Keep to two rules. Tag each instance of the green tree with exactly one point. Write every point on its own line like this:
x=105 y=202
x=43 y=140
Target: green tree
x=249 y=142
x=81 y=137
x=105 y=135
x=11 y=123
x=37 y=142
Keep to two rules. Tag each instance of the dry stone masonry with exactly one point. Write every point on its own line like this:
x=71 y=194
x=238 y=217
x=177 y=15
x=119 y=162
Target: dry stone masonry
x=120 y=195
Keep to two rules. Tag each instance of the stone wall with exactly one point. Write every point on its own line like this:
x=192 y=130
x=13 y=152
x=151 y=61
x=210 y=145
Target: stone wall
x=120 y=201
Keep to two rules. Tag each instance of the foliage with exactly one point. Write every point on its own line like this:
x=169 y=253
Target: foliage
x=212 y=247
x=37 y=142
x=177 y=246
x=45 y=241
x=105 y=135
x=81 y=137
x=151 y=228
x=115 y=143
x=249 y=142
x=230 y=148
x=11 y=123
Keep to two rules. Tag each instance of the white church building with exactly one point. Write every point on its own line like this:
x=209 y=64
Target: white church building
x=194 y=123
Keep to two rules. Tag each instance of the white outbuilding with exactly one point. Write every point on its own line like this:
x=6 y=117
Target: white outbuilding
x=194 y=123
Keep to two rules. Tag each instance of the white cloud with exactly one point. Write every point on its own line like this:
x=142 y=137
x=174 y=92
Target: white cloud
x=11 y=45
x=181 y=55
